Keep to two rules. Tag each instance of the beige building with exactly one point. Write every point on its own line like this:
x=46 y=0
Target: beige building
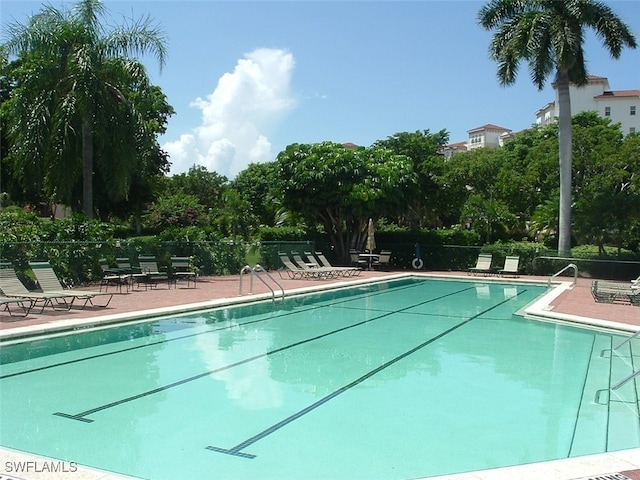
x=489 y=135
x=621 y=106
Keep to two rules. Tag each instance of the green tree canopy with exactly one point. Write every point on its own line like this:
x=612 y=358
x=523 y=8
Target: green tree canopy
x=423 y=148
x=75 y=106
x=549 y=35
x=341 y=188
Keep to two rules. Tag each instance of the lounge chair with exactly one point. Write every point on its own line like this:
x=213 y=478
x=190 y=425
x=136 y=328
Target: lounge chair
x=24 y=303
x=511 y=265
x=296 y=272
x=150 y=274
x=483 y=265
x=50 y=284
x=616 y=292
x=313 y=267
x=323 y=262
x=181 y=270
x=11 y=286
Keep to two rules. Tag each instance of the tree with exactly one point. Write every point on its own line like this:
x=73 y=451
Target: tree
x=341 y=188
x=549 y=36
x=74 y=98
x=422 y=148
x=604 y=170
x=257 y=184
x=207 y=186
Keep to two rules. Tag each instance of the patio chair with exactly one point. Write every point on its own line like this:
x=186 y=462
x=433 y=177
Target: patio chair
x=483 y=265
x=181 y=270
x=113 y=276
x=354 y=255
x=511 y=265
x=323 y=262
x=11 y=286
x=150 y=274
x=50 y=283
x=383 y=260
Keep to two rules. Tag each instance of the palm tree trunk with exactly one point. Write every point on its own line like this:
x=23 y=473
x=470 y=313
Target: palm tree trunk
x=565 y=151
x=87 y=167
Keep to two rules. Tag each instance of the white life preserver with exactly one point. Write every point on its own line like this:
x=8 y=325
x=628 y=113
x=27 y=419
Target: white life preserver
x=417 y=263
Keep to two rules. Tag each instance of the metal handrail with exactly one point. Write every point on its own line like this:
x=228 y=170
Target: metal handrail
x=575 y=274
x=256 y=272
x=626 y=379
x=627 y=340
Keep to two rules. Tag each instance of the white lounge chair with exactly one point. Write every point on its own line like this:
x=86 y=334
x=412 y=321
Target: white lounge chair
x=483 y=265
x=511 y=265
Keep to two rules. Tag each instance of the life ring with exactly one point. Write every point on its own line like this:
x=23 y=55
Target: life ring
x=417 y=263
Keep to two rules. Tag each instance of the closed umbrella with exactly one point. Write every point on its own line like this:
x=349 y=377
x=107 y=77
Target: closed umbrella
x=371 y=238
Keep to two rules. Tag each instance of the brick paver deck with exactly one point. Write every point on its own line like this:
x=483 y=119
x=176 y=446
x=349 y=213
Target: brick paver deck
x=576 y=301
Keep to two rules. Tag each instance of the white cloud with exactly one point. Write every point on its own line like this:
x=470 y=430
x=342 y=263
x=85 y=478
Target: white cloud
x=238 y=116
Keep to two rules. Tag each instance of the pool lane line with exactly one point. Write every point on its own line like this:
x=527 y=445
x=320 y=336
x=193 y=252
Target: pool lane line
x=81 y=416
x=150 y=344
x=237 y=450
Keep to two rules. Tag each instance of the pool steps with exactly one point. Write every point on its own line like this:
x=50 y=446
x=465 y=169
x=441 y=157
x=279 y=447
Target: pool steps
x=608 y=410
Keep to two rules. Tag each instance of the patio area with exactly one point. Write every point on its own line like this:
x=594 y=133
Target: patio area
x=576 y=301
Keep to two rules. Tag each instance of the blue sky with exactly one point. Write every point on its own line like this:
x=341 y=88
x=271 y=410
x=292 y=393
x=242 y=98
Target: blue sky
x=249 y=78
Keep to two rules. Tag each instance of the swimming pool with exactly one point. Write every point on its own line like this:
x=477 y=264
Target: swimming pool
x=404 y=379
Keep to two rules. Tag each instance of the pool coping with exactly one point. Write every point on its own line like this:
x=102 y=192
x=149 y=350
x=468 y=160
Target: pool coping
x=574 y=468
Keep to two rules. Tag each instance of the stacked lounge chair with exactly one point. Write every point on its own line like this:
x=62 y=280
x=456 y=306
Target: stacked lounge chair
x=323 y=262
x=295 y=271
x=616 y=292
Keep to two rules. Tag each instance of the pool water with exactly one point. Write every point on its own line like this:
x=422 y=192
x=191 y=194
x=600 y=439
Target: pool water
x=395 y=380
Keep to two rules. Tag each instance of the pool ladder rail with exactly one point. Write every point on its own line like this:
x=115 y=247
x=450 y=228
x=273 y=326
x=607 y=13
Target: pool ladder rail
x=626 y=379
x=636 y=372
x=258 y=271
x=575 y=274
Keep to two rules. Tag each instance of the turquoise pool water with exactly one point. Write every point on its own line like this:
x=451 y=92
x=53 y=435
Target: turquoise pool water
x=397 y=380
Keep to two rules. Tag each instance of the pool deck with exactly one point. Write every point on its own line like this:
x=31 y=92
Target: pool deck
x=566 y=303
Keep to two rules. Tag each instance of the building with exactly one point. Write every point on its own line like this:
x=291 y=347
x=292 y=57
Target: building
x=489 y=135
x=621 y=106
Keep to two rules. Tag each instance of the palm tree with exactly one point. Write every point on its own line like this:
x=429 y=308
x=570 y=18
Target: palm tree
x=549 y=36
x=76 y=98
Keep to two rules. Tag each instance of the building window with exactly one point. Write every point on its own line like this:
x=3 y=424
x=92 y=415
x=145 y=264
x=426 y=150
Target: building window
x=632 y=110
x=632 y=129
x=607 y=111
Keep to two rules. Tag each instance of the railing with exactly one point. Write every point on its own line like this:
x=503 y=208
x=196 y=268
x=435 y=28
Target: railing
x=575 y=274
x=626 y=379
x=257 y=271
x=635 y=373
